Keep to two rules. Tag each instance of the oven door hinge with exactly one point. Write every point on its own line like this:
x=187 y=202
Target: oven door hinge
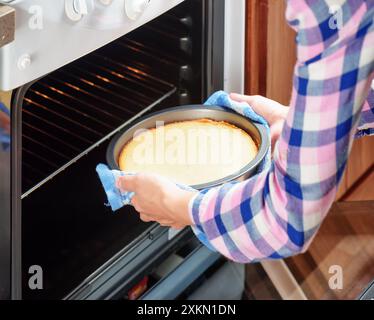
x=7 y=24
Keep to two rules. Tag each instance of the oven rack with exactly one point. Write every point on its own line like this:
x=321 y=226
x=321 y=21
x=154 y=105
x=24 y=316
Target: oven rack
x=73 y=110
x=70 y=111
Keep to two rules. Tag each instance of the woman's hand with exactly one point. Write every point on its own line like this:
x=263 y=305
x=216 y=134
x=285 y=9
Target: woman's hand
x=158 y=199
x=273 y=112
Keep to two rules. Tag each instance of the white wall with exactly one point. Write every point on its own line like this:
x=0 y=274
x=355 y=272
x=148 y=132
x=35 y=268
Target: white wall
x=234 y=46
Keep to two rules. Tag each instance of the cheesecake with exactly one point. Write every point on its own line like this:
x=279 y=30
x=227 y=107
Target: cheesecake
x=190 y=152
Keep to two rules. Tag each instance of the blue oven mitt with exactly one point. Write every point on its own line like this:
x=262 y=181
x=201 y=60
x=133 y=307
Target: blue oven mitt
x=117 y=199
x=222 y=99
x=4 y=137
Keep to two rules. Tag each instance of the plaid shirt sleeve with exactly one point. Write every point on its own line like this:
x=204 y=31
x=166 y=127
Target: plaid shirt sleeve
x=276 y=213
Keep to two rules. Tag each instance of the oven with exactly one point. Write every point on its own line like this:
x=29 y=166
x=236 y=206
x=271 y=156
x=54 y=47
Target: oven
x=72 y=74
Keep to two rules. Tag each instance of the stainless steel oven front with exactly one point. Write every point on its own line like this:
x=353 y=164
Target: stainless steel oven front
x=72 y=74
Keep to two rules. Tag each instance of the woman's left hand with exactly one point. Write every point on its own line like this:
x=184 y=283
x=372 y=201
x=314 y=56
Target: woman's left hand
x=158 y=199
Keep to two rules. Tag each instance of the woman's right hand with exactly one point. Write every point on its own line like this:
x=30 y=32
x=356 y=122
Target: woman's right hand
x=273 y=112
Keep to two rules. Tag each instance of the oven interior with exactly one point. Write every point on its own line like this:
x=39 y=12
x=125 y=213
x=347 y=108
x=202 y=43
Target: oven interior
x=67 y=119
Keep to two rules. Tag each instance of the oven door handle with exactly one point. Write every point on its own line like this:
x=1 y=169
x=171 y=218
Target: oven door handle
x=184 y=275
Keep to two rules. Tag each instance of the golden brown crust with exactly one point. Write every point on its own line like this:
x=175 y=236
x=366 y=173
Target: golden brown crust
x=249 y=145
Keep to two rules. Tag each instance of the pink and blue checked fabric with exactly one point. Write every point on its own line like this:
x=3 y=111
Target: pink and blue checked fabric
x=276 y=213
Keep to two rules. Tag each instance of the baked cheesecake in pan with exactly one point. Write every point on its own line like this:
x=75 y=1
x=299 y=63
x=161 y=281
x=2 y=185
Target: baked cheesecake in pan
x=189 y=152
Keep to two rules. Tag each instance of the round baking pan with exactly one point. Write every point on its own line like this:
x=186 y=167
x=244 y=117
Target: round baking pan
x=193 y=112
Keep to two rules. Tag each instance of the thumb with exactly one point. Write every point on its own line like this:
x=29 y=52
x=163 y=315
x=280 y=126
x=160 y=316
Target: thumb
x=126 y=183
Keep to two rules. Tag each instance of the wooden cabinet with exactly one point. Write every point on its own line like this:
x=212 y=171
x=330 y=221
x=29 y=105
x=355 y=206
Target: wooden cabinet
x=270 y=60
x=5 y=97
x=270 y=50
x=359 y=169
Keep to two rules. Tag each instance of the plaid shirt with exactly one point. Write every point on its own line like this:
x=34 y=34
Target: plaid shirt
x=276 y=213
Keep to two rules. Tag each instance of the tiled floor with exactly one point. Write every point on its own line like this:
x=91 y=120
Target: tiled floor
x=258 y=286
x=346 y=241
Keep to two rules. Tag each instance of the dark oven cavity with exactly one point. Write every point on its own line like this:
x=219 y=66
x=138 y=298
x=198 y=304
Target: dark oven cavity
x=67 y=118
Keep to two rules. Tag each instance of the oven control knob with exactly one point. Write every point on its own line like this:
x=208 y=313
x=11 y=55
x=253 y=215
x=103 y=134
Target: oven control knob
x=134 y=8
x=77 y=9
